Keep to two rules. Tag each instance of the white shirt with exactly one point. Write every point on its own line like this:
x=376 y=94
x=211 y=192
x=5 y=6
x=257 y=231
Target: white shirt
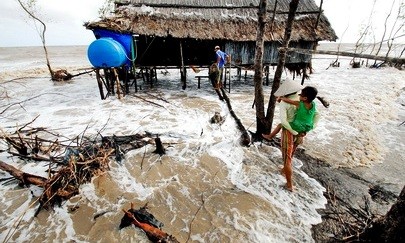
x=287 y=113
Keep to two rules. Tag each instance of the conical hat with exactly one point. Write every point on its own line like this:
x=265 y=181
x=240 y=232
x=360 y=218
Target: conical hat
x=289 y=86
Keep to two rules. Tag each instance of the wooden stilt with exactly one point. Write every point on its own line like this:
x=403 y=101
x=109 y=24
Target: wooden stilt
x=109 y=80
x=229 y=74
x=155 y=73
x=183 y=69
x=134 y=56
x=304 y=74
x=226 y=75
x=143 y=74
x=126 y=80
x=100 y=84
x=135 y=80
x=117 y=80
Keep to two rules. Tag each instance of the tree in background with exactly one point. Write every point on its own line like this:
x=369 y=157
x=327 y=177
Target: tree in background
x=264 y=123
x=392 y=30
x=29 y=6
x=397 y=29
x=364 y=33
x=385 y=31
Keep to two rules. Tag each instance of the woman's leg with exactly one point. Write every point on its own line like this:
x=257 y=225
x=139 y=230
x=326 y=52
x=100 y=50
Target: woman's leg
x=287 y=149
x=273 y=133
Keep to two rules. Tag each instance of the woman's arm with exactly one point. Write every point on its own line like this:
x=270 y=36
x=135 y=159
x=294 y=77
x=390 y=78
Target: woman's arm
x=289 y=101
x=284 y=119
x=316 y=118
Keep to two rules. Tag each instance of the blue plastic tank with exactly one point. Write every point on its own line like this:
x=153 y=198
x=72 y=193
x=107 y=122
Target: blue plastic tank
x=106 y=53
x=124 y=39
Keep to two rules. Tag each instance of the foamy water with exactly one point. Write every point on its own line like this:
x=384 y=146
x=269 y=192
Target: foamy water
x=207 y=187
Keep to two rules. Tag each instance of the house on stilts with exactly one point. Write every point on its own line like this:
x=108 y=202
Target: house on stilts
x=180 y=34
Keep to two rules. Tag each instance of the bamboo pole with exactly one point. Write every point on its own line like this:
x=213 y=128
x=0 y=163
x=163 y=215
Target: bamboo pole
x=117 y=81
x=134 y=56
x=183 y=69
x=400 y=61
x=100 y=84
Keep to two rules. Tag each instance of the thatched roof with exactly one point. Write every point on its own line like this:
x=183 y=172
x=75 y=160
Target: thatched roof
x=234 y=20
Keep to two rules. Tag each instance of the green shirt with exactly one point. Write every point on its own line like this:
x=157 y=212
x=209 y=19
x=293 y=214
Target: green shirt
x=304 y=118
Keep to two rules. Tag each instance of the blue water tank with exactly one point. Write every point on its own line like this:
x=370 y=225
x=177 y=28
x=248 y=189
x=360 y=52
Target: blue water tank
x=106 y=53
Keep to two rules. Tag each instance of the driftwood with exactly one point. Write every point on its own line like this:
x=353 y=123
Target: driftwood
x=61 y=75
x=25 y=178
x=72 y=162
x=147 y=223
x=213 y=73
x=217 y=119
x=159 y=147
x=397 y=61
x=245 y=138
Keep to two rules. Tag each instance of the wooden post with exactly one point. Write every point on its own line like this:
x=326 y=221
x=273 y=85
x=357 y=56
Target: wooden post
x=110 y=90
x=100 y=83
x=182 y=69
x=117 y=80
x=229 y=72
x=111 y=81
x=318 y=17
x=199 y=81
x=155 y=73
x=225 y=74
x=149 y=74
x=304 y=74
x=143 y=74
x=133 y=53
x=126 y=80
x=159 y=147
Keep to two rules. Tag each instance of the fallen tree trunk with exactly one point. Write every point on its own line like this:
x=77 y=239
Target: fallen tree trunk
x=24 y=178
x=150 y=226
x=159 y=147
x=353 y=206
x=245 y=138
x=399 y=61
x=389 y=228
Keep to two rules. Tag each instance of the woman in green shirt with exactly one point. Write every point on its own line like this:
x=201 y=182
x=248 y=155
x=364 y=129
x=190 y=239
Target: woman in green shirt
x=305 y=119
x=306 y=115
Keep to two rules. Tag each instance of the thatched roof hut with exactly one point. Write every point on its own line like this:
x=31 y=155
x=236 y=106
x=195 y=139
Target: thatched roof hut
x=172 y=32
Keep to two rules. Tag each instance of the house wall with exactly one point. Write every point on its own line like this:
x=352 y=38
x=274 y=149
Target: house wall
x=244 y=52
x=157 y=51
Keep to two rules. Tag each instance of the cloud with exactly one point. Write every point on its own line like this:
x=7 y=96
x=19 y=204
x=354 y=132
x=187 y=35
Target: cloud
x=64 y=20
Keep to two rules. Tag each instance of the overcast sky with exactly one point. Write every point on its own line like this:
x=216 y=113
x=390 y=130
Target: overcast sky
x=65 y=18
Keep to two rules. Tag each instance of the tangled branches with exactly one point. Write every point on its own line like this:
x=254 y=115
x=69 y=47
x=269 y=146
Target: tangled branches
x=72 y=162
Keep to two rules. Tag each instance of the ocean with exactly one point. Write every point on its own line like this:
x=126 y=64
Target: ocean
x=207 y=187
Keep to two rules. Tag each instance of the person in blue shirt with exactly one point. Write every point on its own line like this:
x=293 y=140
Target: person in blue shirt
x=221 y=59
